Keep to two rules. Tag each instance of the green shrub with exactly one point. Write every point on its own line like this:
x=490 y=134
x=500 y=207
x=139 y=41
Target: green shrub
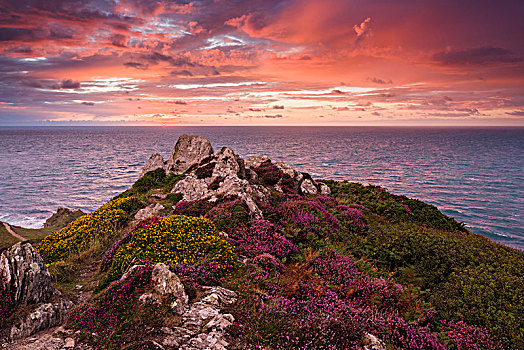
x=81 y=233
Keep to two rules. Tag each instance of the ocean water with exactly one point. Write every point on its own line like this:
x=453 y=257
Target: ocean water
x=475 y=175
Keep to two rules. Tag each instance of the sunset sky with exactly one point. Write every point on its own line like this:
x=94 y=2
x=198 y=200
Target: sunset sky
x=262 y=62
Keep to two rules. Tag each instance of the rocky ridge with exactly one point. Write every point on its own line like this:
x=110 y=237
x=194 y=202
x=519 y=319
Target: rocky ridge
x=212 y=175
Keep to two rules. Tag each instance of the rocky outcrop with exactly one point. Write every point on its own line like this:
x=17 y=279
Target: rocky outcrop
x=189 y=150
x=156 y=161
x=63 y=217
x=148 y=211
x=43 y=316
x=370 y=342
x=26 y=280
x=165 y=283
x=211 y=176
x=203 y=323
x=24 y=276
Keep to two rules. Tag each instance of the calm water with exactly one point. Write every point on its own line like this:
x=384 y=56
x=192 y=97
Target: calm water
x=475 y=175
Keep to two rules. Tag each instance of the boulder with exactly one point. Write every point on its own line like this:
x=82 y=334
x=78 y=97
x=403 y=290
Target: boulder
x=156 y=161
x=308 y=187
x=370 y=342
x=42 y=317
x=189 y=150
x=166 y=282
x=23 y=275
x=148 y=211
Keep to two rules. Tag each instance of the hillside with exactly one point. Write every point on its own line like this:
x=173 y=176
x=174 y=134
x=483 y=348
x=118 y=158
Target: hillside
x=209 y=250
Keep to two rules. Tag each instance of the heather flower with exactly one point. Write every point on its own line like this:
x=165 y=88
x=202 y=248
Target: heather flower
x=259 y=237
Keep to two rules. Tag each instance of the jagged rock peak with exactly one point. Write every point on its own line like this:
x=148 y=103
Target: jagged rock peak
x=156 y=161
x=189 y=150
x=209 y=175
x=24 y=276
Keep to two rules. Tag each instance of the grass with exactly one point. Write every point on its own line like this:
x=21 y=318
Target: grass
x=33 y=235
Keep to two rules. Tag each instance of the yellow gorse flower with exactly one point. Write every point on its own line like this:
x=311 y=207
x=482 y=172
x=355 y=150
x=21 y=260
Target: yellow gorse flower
x=175 y=240
x=79 y=234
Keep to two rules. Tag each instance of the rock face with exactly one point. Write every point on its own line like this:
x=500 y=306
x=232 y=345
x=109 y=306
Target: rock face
x=24 y=276
x=188 y=150
x=166 y=282
x=203 y=324
x=156 y=161
x=44 y=316
x=63 y=217
x=370 y=342
x=148 y=211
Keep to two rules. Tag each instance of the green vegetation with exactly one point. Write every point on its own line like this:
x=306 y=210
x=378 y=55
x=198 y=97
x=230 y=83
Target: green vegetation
x=155 y=179
x=464 y=276
x=6 y=239
x=174 y=240
x=33 y=235
x=99 y=225
x=359 y=261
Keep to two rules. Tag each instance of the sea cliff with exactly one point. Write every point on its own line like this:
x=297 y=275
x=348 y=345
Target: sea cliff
x=211 y=251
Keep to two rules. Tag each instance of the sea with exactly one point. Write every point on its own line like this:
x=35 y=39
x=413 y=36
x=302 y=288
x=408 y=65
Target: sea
x=475 y=175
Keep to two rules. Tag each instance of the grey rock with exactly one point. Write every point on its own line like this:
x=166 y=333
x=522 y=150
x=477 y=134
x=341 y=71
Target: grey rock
x=176 y=337
x=308 y=187
x=255 y=161
x=324 y=189
x=166 y=282
x=198 y=315
x=42 y=317
x=220 y=323
x=148 y=211
x=69 y=343
x=188 y=150
x=219 y=296
x=148 y=298
x=24 y=275
x=286 y=168
x=370 y=342
x=213 y=340
x=156 y=161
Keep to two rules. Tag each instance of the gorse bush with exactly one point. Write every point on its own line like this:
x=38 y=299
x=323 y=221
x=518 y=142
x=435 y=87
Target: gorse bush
x=78 y=235
x=174 y=240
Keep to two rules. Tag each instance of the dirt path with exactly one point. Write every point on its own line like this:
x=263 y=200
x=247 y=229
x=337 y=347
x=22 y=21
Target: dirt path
x=10 y=230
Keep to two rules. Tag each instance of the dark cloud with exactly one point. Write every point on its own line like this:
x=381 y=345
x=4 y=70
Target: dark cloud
x=181 y=73
x=476 y=56
x=16 y=34
x=516 y=113
x=273 y=116
x=33 y=83
x=137 y=65
x=178 y=102
x=66 y=84
x=380 y=81
x=278 y=107
x=88 y=103
x=118 y=40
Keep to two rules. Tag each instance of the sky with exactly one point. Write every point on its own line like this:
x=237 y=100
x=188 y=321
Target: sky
x=262 y=62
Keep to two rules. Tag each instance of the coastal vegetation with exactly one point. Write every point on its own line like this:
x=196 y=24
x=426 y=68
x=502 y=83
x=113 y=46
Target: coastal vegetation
x=333 y=269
